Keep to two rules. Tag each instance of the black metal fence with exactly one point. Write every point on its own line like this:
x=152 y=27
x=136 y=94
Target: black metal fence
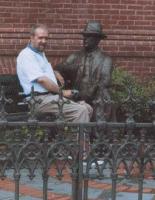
x=31 y=144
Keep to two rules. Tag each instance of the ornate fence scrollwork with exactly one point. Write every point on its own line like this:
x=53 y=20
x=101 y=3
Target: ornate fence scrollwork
x=28 y=145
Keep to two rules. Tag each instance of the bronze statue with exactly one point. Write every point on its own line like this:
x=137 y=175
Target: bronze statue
x=89 y=71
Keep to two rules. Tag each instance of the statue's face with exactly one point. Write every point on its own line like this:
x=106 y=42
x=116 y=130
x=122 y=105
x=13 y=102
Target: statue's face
x=90 y=42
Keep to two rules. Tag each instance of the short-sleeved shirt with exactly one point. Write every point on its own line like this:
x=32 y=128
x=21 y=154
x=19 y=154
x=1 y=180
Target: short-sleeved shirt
x=31 y=65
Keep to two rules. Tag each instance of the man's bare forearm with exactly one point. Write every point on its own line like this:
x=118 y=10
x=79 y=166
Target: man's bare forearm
x=48 y=84
x=52 y=87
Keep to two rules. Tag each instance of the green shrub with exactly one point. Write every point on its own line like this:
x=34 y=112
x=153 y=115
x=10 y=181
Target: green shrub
x=131 y=95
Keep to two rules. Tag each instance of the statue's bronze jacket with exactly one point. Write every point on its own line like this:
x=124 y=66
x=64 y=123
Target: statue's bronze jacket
x=90 y=73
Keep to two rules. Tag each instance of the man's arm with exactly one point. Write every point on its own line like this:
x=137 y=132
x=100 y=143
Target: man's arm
x=68 y=67
x=52 y=87
x=48 y=84
x=59 y=77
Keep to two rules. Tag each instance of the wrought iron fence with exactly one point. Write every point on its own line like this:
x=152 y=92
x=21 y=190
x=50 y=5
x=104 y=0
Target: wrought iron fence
x=28 y=145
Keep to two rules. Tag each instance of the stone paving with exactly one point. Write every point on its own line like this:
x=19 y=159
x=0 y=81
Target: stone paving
x=98 y=189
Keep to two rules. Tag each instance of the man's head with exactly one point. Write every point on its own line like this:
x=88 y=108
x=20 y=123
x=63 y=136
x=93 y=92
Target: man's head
x=39 y=37
x=92 y=35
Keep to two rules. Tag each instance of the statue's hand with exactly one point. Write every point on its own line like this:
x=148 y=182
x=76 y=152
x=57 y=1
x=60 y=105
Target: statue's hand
x=75 y=94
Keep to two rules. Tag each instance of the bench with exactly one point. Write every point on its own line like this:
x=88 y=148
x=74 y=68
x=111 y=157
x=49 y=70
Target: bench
x=18 y=110
x=12 y=90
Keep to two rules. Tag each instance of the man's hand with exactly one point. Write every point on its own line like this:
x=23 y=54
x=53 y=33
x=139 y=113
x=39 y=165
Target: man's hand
x=67 y=93
x=59 y=78
x=74 y=94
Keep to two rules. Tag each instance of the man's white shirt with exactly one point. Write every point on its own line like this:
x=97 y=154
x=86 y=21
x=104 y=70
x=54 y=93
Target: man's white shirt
x=30 y=66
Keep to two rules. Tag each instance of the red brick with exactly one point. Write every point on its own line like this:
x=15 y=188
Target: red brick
x=127 y=23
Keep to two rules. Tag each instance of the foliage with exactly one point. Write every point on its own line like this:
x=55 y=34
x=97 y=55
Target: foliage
x=149 y=86
x=39 y=132
x=131 y=95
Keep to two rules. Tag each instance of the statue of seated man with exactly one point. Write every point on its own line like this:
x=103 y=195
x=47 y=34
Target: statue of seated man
x=89 y=71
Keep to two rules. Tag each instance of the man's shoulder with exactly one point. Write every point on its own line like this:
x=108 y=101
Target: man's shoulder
x=24 y=52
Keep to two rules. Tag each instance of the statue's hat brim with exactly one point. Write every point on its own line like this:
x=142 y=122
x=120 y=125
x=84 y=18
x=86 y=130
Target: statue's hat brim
x=95 y=29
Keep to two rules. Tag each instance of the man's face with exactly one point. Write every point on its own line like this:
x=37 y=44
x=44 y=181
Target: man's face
x=39 y=39
x=90 y=42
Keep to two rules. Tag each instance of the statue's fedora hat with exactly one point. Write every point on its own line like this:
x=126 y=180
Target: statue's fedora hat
x=94 y=28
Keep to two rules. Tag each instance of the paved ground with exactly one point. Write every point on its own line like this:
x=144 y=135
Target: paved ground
x=61 y=190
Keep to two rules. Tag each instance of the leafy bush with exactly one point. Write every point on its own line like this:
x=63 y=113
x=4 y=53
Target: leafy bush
x=131 y=95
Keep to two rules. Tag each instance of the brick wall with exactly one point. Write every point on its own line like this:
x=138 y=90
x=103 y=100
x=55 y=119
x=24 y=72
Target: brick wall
x=129 y=25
